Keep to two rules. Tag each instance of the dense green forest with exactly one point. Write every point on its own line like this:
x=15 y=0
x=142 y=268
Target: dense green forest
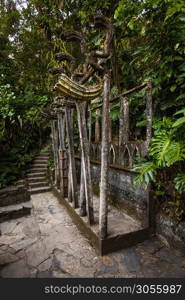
x=149 y=44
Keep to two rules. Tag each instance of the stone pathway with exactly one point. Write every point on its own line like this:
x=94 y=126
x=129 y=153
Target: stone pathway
x=48 y=244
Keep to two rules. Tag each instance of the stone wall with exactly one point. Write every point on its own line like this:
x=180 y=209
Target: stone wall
x=170 y=231
x=121 y=188
x=14 y=194
x=14 y=202
x=134 y=200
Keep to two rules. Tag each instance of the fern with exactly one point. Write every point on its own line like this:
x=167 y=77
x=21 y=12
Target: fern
x=147 y=172
x=180 y=183
x=180 y=121
x=166 y=150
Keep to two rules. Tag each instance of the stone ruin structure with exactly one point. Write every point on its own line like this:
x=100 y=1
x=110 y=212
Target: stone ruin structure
x=75 y=92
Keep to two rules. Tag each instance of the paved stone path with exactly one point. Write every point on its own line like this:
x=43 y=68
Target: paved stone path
x=48 y=244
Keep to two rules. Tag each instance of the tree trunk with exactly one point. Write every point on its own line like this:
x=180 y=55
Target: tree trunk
x=81 y=108
x=104 y=159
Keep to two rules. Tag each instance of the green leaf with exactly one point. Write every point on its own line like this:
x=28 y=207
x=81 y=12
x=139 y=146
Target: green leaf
x=131 y=24
x=173 y=88
x=20 y=120
x=181 y=96
x=141 y=123
x=182 y=19
x=182 y=111
x=179 y=122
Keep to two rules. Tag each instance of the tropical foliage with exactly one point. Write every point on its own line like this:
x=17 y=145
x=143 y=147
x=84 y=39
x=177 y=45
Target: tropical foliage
x=149 y=44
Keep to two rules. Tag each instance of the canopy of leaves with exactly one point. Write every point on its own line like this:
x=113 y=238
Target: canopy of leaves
x=149 y=44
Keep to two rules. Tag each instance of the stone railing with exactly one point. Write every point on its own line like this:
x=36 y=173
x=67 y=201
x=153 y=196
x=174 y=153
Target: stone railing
x=124 y=155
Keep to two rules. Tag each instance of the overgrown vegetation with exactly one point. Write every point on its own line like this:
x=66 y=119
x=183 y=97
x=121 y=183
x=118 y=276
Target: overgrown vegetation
x=23 y=91
x=149 y=44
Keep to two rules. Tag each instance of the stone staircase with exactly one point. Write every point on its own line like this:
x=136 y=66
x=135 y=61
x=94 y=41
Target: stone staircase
x=14 y=202
x=36 y=175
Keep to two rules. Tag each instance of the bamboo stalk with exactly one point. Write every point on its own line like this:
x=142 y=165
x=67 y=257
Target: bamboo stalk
x=110 y=130
x=104 y=159
x=72 y=183
x=97 y=128
x=53 y=149
x=60 y=156
x=63 y=132
x=124 y=122
x=59 y=117
x=133 y=90
x=69 y=187
x=57 y=149
x=82 y=201
x=89 y=126
x=85 y=160
x=61 y=182
x=61 y=129
x=55 y=152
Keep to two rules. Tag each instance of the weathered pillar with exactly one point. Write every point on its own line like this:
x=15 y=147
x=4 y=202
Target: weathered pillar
x=85 y=149
x=72 y=183
x=69 y=187
x=82 y=201
x=63 y=125
x=60 y=154
x=61 y=130
x=55 y=151
x=97 y=128
x=60 y=157
x=89 y=125
x=104 y=159
x=72 y=119
x=149 y=113
x=124 y=121
x=110 y=130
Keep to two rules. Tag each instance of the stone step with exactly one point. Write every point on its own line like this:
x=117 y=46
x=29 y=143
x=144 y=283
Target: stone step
x=40 y=161
x=40 y=190
x=36 y=179
x=39 y=166
x=44 y=158
x=13 y=195
x=15 y=211
x=36 y=175
x=38 y=184
x=37 y=170
x=43 y=155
